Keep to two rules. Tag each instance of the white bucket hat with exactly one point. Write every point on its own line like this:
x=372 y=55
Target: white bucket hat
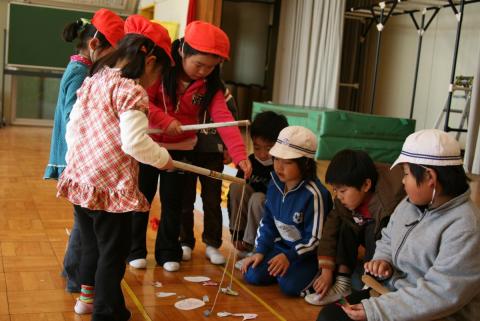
x=430 y=147
x=295 y=142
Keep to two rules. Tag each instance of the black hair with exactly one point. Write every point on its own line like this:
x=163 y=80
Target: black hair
x=267 y=125
x=170 y=77
x=351 y=168
x=134 y=48
x=453 y=179
x=84 y=31
x=307 y=167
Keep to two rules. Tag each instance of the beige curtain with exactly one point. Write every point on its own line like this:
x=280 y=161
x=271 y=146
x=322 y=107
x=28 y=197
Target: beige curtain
x=307 y=67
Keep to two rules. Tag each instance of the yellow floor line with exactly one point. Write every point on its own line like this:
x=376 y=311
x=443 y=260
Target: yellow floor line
x=256 y=297
x=135 y=300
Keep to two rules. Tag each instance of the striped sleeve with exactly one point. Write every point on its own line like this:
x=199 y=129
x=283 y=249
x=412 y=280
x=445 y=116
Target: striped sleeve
x=313 y=223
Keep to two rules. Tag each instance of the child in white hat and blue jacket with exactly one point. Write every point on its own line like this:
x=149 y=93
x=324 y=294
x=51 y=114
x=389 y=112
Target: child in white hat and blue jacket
x=428 y=255
x=295 y=210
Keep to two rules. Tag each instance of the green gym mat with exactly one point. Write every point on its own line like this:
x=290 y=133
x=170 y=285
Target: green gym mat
x=382 y=137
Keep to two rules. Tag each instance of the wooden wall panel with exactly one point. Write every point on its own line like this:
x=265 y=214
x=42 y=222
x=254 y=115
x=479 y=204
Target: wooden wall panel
x=209 y=11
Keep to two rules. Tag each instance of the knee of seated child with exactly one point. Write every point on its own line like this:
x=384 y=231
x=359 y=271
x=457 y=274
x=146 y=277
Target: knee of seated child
x=253 y=277
x=256 y=204
x=289 y=286
x=257 y=199
x=235 y=189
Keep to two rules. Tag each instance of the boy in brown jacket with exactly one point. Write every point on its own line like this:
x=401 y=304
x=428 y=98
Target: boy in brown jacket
x=365 y=196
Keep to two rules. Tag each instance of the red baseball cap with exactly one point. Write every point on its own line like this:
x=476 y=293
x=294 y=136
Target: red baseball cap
x=153 y=31
x=205 y=37
x=110 y=25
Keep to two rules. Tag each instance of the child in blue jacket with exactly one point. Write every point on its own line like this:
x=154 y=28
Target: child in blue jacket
x=295 y=209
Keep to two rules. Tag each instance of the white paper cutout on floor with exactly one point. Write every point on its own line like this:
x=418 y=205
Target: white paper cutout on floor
x=196 y=279
x=229 y=291
x=246 y=316
x=189 y=304
x=210 y=283
x=164 y=294
x=157 y=284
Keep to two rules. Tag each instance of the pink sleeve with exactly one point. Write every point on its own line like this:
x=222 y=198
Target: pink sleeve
x=157 y=117
x=231 y=136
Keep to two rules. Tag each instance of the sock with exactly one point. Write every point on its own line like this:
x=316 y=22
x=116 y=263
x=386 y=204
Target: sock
x=342 y=283
x=307 y=291
x=87 y=293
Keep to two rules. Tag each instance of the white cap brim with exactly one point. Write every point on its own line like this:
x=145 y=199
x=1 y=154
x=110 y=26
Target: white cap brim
x=287 y=152
x=427 y=161
x=284 y=152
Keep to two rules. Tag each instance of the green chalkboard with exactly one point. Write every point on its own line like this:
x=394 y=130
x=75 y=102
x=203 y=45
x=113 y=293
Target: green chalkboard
x=35 y=36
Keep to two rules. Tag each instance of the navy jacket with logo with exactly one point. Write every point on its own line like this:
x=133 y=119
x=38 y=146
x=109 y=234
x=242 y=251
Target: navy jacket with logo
x=293 y=221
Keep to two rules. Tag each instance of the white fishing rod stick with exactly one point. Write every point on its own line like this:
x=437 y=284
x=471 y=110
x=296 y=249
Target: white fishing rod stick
x=208 y=172
x=203 y=126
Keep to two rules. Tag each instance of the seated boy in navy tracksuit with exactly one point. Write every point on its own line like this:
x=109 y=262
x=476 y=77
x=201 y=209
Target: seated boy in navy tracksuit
x=295 y=209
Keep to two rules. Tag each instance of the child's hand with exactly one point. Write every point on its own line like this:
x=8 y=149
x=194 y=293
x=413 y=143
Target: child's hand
x=168 y=165
x=227 y=159
x=378 y=268
x=246 y=167
x=355 y=312
x=278 y=265
x=253 y=260
x=174 y=128
x=324 y=282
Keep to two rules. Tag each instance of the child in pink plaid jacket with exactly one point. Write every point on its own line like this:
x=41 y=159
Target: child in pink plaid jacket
x=107 y=137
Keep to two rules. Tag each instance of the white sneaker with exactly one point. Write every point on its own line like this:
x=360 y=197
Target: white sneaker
x=83 y=307
x=171 y=266
x=214 y=255
x=138 y=263
x=340 y=289
x=243 y=254
x=187 y=253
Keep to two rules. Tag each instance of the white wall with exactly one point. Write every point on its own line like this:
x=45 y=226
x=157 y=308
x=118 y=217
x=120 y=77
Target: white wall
x=169 y=10
x=397 y=66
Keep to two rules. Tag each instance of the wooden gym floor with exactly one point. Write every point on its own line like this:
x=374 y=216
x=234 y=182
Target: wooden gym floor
x=33 y=237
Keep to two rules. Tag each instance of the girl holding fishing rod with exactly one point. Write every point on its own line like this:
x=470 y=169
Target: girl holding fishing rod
x=183 y=95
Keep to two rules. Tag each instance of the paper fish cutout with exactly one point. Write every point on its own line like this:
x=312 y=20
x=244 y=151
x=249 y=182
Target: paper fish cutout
x=164 y=294
x=189 y=304
x=229 y=291
x=157 y=284
x=246 y=316
x=196 y=279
